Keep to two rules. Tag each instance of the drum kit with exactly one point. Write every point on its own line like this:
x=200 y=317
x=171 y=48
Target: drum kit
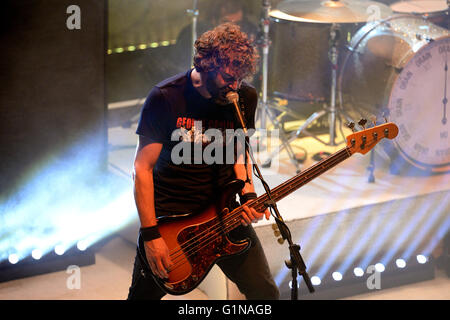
x=361 y=58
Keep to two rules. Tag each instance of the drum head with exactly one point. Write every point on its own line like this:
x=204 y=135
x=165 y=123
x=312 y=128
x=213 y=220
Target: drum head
x=391 y=71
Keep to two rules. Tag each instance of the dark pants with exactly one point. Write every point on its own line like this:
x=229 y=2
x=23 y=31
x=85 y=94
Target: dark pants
x=248 y=270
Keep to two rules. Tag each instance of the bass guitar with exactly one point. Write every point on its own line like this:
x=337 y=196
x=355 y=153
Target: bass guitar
x=196 y=242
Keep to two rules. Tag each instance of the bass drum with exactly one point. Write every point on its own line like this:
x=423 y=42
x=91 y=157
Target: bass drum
x=398 y=68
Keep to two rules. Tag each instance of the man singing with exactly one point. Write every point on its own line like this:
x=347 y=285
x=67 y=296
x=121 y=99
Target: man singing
x=195 y=99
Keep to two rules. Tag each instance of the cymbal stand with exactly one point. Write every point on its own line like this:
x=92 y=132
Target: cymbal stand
x=333 y=55
x=193 y=13
x=264 y=111
x=265 y=61
x=331 y=111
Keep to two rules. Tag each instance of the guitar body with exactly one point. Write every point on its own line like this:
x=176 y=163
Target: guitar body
x=196 y=242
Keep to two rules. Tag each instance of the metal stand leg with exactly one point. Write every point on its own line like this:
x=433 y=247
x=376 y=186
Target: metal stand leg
x=285 y=144
x=264 y=110
x=265 y=51
x=371 y=167
x=194 y=14
x=332 y=111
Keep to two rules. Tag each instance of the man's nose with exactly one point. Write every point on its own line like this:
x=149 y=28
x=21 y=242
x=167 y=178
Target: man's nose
x=234 y=85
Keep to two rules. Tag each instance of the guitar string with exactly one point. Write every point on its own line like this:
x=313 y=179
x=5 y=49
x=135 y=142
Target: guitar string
x=282 y=186
x=211 y=232
x=212 y=236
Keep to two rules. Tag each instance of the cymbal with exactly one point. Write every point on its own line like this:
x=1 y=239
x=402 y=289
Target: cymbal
x=331 y=11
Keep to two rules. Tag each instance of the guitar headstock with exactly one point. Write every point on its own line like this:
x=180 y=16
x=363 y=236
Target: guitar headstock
x=363 y=141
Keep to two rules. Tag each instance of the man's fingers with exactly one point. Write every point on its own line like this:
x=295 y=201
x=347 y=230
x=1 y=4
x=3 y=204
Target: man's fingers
x=167 y=263
x=246 y=216
x=267 y=213
x=158 y=257
x=162 y=270
x=250 y=215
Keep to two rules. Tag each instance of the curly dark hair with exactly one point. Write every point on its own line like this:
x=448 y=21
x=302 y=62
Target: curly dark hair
x=226 y=46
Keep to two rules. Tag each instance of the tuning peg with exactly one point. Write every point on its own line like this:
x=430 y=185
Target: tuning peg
x=280 y=240
x=385 y=115
x=374 y=121
x=351 y=125
x=362 y=123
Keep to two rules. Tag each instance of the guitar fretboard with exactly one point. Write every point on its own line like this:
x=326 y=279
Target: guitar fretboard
x=301 y=179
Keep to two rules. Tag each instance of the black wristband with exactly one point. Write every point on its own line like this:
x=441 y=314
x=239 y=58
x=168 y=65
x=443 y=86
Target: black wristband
x=150 y=233
x=247 y=196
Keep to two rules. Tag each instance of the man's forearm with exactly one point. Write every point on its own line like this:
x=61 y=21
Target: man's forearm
x=241 y=174
x=144 y=197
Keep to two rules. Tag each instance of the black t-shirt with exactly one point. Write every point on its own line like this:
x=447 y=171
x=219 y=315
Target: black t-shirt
x=177 y=116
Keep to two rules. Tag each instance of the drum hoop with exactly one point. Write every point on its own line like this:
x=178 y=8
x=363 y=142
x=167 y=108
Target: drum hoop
x=376 y=24
x=424 y=166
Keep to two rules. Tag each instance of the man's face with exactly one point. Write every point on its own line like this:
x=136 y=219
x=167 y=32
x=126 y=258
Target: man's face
x=220 y=83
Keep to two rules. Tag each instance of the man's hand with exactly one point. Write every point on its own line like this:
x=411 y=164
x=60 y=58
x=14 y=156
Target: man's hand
x=157 y=254
x=249 y=215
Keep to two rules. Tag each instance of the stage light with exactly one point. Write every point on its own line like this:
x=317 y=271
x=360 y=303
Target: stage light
x=82 y=245
x=421 y=259
x=379 y=267
x=337 y=276
x=36 y=254
x=400 y=263
x=358 y=272
x=60 y=249
x=13 y=258
x=315 y=280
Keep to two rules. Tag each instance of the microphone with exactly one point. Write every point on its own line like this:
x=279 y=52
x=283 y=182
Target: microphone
x=233 y=97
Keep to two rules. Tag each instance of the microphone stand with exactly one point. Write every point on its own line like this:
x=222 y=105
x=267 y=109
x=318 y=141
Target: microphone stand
x=296 y=263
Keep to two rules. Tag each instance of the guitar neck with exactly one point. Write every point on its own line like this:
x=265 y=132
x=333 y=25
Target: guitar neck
x=301 y=179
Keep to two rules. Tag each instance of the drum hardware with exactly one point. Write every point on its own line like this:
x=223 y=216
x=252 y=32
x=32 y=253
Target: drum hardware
x=265 y=49
x=331 y=12
x=264 y=111
x=332 y=111
x=193 y=13
x=395 y=72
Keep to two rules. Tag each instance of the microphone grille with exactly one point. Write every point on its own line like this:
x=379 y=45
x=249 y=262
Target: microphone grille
x=232 y=96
